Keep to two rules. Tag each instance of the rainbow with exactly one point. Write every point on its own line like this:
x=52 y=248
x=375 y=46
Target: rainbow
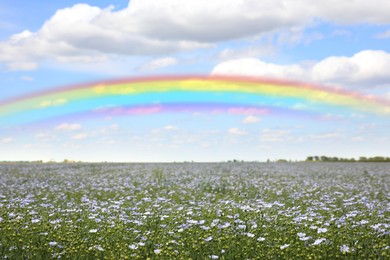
x=172 y=94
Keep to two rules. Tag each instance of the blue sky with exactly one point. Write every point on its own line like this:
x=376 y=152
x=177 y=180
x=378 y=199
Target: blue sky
x=45 y=45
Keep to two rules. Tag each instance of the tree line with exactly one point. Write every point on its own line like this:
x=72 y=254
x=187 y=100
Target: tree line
x=337 y=159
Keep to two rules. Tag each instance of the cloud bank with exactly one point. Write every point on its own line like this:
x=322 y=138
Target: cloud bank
x=365 y=68
x=88 y=34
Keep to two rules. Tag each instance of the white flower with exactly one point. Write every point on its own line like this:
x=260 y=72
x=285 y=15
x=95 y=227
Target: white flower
x=242 y=226
x=261 y=239
x=213 y=256
x=250 y=235
x=157 y=251
x=133 y=246
x=98 y=247
x=226 y=225
x=215 y=222
x=284 y=246
x=204 y=227
x=53 y=243
x=304 y=238
x=344 y=249
x=318 y=241
x=322 y=230
x=208 y=239
x=190 y=221
x=93 y=231
x=376 y=226
x=301 y=234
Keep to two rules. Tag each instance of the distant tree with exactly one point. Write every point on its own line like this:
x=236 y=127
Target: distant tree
x=324 y=159
x=340 y=159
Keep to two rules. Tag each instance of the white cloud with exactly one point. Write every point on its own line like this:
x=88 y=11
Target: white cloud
x=253 y=51
x=7 y=140
x=167 y=128
x=26 y=78
x=384 y=35
x=28 y=146
x=114 y=127
x=251 y=120
x=270 y=135
x=68 y=127
x=326 y=136
x=350 y=12
x=170 y=128
x=343 y=33
x=80 y=136
x=87 y=34
x=296 y=35
x=358 y=139
x=255 y=67
x=71 y=146
x=365 y=68
x=159 y=63
x=109 y=130
x=45 y=137
x=237 y=131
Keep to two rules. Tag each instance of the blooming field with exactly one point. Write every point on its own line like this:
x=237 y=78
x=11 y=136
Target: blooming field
x=197 y=211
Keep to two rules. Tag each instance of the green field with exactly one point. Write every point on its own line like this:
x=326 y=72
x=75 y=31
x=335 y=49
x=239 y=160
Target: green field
x=195 y=211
